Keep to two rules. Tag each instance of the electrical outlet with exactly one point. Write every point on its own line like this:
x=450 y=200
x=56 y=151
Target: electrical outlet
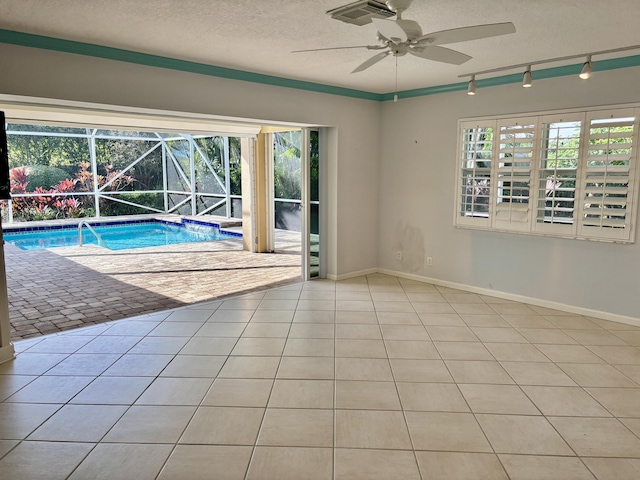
x=429 y=261
x=398 y=255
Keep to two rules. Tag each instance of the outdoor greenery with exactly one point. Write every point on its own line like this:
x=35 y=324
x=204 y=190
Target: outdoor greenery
x=213 y=148
x=55 y=202
x=287 y=173
x=55 y=162
x=45 y=176
x=287 y=165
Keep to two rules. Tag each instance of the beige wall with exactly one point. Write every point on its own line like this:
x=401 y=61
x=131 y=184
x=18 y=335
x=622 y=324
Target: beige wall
x=353 y=161
x=416 y=202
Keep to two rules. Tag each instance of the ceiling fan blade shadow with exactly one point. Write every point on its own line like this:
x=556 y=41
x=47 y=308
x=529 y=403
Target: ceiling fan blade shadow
x=370 y=62
x=390 y=30
x=465 y=34
x=440 y=54
x=368 y=47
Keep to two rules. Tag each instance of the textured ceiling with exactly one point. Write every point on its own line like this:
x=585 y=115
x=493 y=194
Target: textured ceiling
x=259 y=35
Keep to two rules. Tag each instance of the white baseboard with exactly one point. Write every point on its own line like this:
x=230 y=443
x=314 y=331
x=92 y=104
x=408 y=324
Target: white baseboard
x=519 y=298
x=359 y=273
x=7 y=353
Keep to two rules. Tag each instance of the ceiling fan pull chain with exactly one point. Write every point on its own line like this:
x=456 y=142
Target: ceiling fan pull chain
x=395 y=95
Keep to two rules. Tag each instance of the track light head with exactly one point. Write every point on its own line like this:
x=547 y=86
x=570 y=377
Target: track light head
x=527 y=79
x=587 y=68
x=471 y=89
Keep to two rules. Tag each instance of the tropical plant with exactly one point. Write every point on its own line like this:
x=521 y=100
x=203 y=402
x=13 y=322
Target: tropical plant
x=56 y=202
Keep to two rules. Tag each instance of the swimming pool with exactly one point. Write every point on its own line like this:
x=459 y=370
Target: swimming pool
x=119 y=236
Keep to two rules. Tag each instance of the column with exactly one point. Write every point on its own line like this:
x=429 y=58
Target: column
x=6 y=347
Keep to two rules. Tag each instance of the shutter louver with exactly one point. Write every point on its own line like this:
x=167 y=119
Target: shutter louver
x=557 y=174
x=513 y=181
x=608 y=176
x=475 y=180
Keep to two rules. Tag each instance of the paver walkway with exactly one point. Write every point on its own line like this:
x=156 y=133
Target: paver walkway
x=58 y=289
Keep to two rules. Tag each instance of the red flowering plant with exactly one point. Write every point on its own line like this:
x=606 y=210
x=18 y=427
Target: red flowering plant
x=49 y=204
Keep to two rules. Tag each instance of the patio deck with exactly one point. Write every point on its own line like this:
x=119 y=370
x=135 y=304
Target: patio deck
x=69 y=287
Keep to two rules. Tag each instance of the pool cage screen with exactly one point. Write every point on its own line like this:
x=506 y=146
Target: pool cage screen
x=68 y=172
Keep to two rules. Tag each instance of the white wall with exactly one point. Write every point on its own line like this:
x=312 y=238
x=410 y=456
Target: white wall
x=416 y=202
x=354 y=164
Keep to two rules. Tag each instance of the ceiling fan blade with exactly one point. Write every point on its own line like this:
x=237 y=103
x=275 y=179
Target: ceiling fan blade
x=440 y=54
x=390 y=30
x=369 y=47
x=372 y=61
x=465 y=34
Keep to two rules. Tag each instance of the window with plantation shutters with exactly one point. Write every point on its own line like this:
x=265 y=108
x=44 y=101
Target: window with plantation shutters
x=513 y=174
x=557 y=164
x=608 y=175
x=569 y=174
x=475 y=181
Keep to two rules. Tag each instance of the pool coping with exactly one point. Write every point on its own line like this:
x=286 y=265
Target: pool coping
x=222 y=224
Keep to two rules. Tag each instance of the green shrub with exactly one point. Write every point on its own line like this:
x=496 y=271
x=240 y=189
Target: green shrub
x=45 y=176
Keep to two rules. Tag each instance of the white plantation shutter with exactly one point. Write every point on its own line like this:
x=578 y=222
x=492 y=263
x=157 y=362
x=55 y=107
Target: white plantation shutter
x=474 y=181
x=556 y=180
x=608 y=171
x=568 y=174
x=513 y=174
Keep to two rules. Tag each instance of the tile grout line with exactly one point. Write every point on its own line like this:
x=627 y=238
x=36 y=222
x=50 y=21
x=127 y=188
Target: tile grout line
x=177 y=442
x=395 y=384
x=484 y=434
x=264 y=415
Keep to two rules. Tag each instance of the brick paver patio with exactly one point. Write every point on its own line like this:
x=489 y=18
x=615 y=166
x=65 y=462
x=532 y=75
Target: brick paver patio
x=62 y=288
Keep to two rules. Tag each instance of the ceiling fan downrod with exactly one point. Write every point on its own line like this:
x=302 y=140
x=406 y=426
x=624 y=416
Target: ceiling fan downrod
x=398 y=6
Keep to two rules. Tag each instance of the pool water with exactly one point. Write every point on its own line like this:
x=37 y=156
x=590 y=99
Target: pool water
x=119 y=237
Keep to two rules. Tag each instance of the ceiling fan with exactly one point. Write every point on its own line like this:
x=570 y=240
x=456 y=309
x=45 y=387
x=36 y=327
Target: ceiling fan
x=399 y=37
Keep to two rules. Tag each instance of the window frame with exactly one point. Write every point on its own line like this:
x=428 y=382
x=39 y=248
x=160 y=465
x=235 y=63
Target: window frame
x=531 y=225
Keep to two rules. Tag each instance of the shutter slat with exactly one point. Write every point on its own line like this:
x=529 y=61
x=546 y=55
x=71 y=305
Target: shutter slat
x=514 y=170
x=609 y=190
x=605 y=222
x=628 y=123
x=613 y=212
x=614 y=157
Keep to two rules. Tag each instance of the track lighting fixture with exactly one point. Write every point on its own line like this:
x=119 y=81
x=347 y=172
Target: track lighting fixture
x=587 y=68
x=471 y=89
x=527 y=80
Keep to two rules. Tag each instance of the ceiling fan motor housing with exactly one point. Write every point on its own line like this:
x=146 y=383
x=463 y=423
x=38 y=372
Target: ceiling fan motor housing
x=399 y=50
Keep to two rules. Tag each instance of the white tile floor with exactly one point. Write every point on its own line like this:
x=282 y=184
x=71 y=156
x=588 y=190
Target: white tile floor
x=370 y=378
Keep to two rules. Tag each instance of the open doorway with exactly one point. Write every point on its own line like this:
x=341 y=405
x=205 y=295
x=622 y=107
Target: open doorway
x=70 y=177
x=295 y=177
